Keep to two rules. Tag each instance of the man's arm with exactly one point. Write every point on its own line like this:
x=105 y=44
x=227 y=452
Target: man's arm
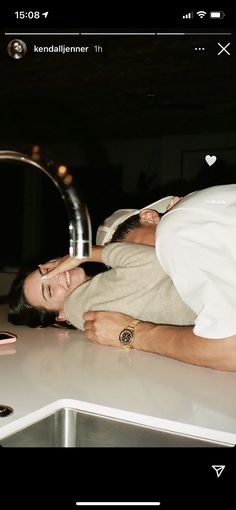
x=178 y=342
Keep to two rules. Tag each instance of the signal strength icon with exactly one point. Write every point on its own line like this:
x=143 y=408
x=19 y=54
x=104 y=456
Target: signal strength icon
x=201 y=14
x=188 y=16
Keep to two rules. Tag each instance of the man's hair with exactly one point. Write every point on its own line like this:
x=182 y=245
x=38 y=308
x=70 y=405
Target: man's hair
x=124 y=228
x=21 y=312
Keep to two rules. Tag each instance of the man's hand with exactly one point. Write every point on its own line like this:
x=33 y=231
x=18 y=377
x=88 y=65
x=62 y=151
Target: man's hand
x=173 y=202
x=104 y=327
x=178 y=342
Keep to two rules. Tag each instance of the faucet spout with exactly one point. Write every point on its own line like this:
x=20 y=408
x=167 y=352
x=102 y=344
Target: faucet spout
x=79 y=220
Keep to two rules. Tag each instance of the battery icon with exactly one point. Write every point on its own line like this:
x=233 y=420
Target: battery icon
x=217 y=14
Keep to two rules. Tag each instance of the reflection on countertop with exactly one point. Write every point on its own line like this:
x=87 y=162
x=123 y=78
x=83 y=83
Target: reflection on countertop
x=51 y=364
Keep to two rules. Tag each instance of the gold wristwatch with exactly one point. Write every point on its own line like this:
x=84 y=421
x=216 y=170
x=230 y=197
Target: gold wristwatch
x=126 y=336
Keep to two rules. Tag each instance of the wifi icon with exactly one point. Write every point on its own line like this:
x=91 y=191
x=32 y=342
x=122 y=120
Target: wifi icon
x=201 y=14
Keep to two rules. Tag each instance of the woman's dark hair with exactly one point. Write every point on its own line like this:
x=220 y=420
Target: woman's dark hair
x=21 y=312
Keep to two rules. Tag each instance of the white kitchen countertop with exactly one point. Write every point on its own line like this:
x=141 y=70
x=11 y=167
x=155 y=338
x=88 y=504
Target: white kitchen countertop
x=50 y=368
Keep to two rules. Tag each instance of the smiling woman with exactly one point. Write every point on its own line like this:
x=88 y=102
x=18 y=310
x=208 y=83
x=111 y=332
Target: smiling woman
x=134 y=284
x=37 y=303
x=51 y=295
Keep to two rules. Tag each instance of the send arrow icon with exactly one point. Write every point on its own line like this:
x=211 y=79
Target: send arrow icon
x=219 y=470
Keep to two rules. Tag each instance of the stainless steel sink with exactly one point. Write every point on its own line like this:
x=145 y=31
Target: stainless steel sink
x=73 y=428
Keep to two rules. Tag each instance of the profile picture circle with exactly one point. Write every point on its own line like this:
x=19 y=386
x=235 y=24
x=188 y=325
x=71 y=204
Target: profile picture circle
x=16 y=48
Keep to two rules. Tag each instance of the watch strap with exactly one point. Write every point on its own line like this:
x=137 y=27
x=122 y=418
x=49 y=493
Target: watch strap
x=133 y=324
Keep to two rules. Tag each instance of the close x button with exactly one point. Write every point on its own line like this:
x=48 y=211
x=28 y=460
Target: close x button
x=223 y=49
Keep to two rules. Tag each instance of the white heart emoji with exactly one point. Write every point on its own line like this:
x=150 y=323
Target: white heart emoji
x=210 y=159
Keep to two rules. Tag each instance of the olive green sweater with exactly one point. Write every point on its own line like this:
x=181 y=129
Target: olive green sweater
x=135 y=285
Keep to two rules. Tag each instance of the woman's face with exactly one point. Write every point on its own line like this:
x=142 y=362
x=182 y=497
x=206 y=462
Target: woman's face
x=51 y=294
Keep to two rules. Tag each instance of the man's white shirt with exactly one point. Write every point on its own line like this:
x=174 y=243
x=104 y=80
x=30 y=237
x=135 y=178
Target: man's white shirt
x=196 y=246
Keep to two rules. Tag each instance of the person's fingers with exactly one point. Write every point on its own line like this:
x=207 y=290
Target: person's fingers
x=89 y=316
x=88 y=325
x=49 y=265
x=173 y=202
x=104 y=327
x=53 y=262
x=89 y=330
x=66 y=265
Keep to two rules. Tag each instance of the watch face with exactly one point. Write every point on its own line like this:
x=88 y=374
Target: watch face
x=126 y=337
